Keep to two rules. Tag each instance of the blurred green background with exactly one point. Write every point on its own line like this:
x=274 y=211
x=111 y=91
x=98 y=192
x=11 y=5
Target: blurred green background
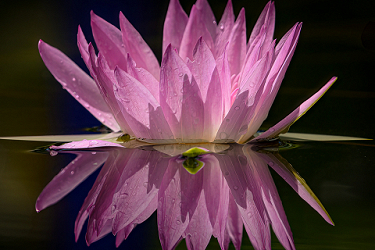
x=337 y=39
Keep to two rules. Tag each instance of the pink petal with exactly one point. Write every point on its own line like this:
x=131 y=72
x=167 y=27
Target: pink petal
x=70 y=177
x=173 y=70
x=108 y=39
x=231 y=125
x=225 y=79
x=208 y=17
x=192 y=111
x=138 y=48
x=144 y=77
x=174 y=25
x=224 y=29
x=273 y=81
x=266 y=20
x=137 y=104
x=205 y=73
x=253 y=83
x=77 y=83
x=237 y=44
x=195 y=28
x=283 y=125
x=86 y=144
x=202 y=66
x=83 y=47
x=213 y=108
x=105 y=80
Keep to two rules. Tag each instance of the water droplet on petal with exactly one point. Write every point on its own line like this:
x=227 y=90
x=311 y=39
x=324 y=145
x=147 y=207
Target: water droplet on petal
x=237 y=108
x=72 y=172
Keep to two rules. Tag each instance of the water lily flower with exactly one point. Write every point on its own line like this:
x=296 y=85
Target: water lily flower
x=213 y=85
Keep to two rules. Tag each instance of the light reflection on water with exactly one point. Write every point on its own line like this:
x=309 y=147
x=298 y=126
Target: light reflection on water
x=342 y=183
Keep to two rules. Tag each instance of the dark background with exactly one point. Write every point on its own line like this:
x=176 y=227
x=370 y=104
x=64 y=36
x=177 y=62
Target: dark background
x=334 y=42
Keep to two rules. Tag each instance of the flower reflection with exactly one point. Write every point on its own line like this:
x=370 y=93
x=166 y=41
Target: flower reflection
x=232 y=188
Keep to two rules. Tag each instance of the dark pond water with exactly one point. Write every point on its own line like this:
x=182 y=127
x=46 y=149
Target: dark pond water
x=340 y=174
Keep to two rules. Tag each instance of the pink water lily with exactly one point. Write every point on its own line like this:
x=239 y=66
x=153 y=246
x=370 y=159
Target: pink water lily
x=213 y=85
x=231 y=189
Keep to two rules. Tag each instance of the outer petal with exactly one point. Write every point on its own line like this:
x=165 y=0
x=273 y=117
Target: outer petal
x=172 y=76
x=144 y=77
x=265 y=21
x=224 y=29
x=109 y=41
x=77 y=83
x=70 y=177
x=273 y=81
x=283 y=125
x=137 y=104
x=208 y=17
x=237 y=44
x=192 y=113
x=236 y=122
x=105 y=80
x=195 y=29
x=174 y=25
x=83 y=47
x=138 y=48
x=225 y=79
